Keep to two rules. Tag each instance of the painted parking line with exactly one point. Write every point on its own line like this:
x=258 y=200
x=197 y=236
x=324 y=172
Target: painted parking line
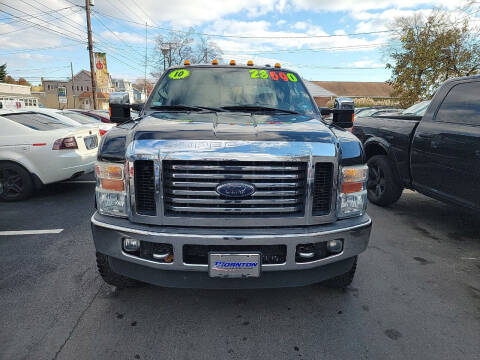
x=31 y=232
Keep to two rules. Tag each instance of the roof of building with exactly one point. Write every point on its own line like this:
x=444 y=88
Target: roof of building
x=355 y=88
x=317 y=91
x=100 y=95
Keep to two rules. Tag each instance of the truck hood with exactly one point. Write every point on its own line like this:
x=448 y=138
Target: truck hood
x=229 y=126
x=233 y=126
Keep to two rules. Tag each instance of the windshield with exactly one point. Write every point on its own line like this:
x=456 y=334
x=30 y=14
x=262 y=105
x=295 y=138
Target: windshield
x=417 y=109
x=228 y=87
x=80 y=118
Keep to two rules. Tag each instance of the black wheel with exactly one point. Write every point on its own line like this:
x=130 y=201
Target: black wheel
x=110 y=277
x=383 y=187
x=342 y=281
x=15 y=182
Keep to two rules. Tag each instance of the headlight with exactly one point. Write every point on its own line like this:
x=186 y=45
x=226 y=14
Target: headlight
x=110 y=189
x=352 y=193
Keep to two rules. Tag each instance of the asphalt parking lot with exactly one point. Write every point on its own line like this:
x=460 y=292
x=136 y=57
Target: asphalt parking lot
x=416 y=295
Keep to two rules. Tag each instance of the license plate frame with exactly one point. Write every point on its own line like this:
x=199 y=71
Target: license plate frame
x=235 y=265
x=91 y=142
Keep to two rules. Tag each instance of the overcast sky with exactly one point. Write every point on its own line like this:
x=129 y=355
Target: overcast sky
x=41 y=37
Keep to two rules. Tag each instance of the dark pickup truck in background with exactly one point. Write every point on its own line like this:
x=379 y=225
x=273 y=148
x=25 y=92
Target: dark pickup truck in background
x=437 y=154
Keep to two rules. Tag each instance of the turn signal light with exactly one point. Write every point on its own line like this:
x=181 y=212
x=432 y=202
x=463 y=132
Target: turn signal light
x=278 y=66
x=65 y=143
x=113 y=172
x=354 y=174
x=232 y=62
x=115 y=185
x=186 y=63
x=214 y=62
x=250 y=63
x=348 y=188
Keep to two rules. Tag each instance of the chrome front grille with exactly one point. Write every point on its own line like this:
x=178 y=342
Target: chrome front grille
x=189 y=188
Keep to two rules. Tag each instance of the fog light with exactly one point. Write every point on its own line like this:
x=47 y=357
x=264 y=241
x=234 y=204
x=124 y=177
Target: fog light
x=130 y=244
x=335 y=246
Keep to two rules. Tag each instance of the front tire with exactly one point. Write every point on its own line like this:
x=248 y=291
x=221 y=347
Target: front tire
x=15 y=182
x=383 y=187
x=344 y=280
x=111 y=277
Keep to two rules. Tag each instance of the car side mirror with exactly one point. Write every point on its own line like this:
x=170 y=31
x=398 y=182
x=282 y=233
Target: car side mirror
x=137 y=107
x=119 y=107
x=343 y=118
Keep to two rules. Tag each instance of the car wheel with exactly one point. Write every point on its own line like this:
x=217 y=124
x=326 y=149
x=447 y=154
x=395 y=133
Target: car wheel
x=111 y=277
x=342 y=281
x=383 y=187
x=15 y=182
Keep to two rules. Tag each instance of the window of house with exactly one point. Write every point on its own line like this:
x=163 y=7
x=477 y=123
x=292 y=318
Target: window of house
x=461 y=105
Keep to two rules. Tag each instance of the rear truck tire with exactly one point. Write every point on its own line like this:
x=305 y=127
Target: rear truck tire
x=111 y=277
x=383 y=187
x=15 y=182
x=342 y=281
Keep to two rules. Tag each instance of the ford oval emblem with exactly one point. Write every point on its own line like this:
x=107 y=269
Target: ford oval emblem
x=236 y=189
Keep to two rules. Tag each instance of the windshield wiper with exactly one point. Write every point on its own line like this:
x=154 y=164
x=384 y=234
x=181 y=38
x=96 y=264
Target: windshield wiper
x=181 y=107
x=257 y=108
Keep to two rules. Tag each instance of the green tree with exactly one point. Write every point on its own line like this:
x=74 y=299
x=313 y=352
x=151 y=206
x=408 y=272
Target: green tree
x=424 y=52
x=3 y=72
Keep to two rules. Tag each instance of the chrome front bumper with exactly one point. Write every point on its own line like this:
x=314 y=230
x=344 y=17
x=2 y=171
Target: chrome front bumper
x=108 y=233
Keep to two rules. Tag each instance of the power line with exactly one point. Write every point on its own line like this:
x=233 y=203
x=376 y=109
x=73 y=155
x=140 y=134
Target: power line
x=39 y=25
x=246 y=36
x=76 y=25
x=37 y=14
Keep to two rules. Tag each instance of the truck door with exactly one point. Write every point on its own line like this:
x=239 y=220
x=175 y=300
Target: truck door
x=445 y=155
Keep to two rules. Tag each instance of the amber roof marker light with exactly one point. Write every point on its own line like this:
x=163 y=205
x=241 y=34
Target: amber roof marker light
x=278 y=66
x=214 y=62
x=250 y=63
x=186 y=63
x=233 y=62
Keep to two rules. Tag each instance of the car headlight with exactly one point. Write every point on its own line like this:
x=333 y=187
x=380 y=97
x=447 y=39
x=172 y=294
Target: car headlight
x=110 y=189
x=352 y=193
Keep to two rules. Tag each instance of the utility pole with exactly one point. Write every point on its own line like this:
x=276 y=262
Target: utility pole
x=90 y=50
x=73 y=87
x=145 y=79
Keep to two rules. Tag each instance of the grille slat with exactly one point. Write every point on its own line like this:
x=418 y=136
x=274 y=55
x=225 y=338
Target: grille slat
x=231 y=176
x=215 y=194
x=190 y=188
x=239 y=210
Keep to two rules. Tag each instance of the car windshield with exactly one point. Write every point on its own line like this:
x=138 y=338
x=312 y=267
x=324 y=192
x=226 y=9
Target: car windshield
x=233 y=87
x=417 y=109
x=80 y=118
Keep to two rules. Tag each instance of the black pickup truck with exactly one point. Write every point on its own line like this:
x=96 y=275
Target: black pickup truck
x=437 y=155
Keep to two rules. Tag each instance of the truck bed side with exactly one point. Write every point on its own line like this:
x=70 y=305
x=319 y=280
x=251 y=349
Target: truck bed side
x=391 y=136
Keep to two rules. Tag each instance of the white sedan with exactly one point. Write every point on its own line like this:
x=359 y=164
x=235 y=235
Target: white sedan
x=37 y=149
x=76 y=119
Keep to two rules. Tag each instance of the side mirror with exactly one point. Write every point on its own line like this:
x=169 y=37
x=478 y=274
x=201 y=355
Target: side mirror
x=119 y=107
x=325 y=111
x=343 y=118
x=137 y=107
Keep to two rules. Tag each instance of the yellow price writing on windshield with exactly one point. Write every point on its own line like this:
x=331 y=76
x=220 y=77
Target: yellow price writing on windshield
x=179 y=74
